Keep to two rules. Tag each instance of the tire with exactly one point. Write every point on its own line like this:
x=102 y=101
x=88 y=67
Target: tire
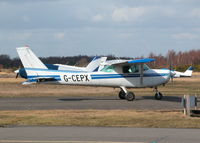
x=130 y=96
x=158 y=96
x=122 y=94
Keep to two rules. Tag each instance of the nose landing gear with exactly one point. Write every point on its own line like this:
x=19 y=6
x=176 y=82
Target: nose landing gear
x=158 y=95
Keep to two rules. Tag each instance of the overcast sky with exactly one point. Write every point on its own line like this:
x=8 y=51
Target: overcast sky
x=99 y=27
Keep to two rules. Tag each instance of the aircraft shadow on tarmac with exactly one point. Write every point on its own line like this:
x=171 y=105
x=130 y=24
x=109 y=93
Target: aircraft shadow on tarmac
x=82 y=99
x=165 y=98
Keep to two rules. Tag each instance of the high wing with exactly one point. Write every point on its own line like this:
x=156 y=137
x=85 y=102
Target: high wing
x=138 y=61
x=113 y=62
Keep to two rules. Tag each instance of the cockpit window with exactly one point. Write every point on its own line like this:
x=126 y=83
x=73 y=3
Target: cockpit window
x=146 y=67
x=134 y=68
x=108 y=68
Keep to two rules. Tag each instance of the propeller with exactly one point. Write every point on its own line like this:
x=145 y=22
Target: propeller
x=172 y=73
x=172 y=76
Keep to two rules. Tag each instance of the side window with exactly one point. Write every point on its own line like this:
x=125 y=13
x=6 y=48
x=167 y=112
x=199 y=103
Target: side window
x=108 y=68
x=126 y=69
x=130 y=69
x=134 y=68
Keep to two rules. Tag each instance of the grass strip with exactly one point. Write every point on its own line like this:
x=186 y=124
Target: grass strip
x=116 y=118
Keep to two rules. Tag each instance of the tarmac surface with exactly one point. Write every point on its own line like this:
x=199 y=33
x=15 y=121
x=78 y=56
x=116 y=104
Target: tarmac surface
x=97 y=135
x=90 y=102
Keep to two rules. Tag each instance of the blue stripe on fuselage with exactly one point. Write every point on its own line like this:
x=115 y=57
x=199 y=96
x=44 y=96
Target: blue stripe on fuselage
x=106 y=76
x=48 y=70
x=35 y=77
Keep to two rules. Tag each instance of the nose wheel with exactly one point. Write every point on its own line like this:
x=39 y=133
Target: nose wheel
x=158 y=95
x=124 y=94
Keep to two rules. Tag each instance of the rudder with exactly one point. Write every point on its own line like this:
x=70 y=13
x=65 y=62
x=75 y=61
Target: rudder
x=29 y=59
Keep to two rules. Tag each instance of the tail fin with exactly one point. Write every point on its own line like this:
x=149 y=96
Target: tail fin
x=95 y=64
x=29 y=59
x=189 y=71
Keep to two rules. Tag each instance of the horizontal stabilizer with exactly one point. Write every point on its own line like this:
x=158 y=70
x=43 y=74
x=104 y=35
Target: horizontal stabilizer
x=39 y=79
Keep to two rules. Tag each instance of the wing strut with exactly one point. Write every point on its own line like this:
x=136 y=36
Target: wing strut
x=141 y=74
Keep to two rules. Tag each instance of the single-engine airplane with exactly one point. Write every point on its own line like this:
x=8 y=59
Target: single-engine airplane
x=121 y=74
x=187 y=73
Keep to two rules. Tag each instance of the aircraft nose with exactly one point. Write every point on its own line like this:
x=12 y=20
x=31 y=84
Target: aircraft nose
x=172 y=74
x=169 y=75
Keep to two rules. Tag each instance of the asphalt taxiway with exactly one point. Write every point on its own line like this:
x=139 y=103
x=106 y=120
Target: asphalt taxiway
x=90 y=102
x=98 y=134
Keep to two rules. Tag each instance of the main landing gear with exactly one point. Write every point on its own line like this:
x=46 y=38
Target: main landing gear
x=130 y=96
x=124 y=94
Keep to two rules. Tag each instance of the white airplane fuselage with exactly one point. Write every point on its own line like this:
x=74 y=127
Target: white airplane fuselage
x=151 y=78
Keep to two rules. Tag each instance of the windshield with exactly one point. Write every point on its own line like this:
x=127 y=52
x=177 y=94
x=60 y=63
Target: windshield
x=108 y=68
x=146 y=67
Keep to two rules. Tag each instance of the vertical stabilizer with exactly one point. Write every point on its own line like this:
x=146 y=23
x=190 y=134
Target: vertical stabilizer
x=189 y=71
x=29 y=59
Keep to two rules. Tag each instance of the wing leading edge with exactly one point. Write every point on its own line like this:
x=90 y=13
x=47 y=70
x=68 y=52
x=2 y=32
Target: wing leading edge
x=138 y=61
x=147 y=60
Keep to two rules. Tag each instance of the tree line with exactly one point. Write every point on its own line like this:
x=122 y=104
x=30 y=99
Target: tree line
x=174 y=60
x=177 y=60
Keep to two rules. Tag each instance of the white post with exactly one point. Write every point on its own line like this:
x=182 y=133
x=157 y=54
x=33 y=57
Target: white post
x=195 y=101
x=184 y=105
x=188 y=105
